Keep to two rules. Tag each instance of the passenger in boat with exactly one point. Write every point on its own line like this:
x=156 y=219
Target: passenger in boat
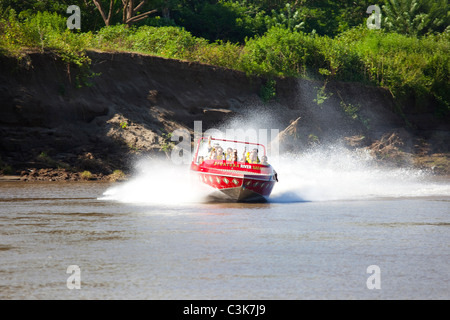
x=253 y=156
x=229 y=154
x=219 y=153
x=234 y=156
x=215 y=152
x=212 y=153
x=209 y=142
x=264 y=160
x=212 y=149
x=244 y=155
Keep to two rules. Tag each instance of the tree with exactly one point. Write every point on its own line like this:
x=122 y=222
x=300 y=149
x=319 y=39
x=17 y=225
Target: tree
x=130 y=11
x=106 y=17
x=416 y=17
x=287 y=18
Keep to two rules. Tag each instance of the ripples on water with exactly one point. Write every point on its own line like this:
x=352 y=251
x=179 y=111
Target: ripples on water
x=331 y=216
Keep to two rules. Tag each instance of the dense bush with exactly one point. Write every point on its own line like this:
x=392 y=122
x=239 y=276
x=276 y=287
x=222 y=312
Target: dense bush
x=281 y=52
x=170 y=42
x=408 y=65
x=43 y=30
x=416 y=17
x=219 y=53
x=113 y=37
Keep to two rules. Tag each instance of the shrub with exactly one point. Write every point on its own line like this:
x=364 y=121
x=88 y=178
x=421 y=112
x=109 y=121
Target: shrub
x=170 y=42
x=43 y=28
x=223 y=54
x=268 y=91
x=408 y=65
x=86 y=175
x=281 y=52
x=12 y=33
x=117 y=175
x=114 y=37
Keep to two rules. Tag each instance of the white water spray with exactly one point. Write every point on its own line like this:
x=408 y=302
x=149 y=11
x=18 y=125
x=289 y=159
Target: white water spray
x=158 y=182
x=321 y=174
x=336 y=173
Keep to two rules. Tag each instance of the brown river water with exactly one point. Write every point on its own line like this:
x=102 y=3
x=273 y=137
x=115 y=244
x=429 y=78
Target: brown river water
x=141 y=240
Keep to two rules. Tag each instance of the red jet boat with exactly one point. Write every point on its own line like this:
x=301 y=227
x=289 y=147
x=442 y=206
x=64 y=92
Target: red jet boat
x=244 y=179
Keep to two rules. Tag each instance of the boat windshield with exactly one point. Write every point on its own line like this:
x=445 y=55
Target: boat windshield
x=229 y=150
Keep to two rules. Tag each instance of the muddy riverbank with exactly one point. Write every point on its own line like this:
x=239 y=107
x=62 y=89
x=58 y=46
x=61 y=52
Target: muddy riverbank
x=53 y=126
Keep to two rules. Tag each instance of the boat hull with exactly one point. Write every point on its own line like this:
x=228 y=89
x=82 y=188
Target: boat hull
x=243 y=194
x=240 y=187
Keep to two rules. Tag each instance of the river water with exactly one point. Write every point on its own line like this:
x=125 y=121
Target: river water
x=153 y=237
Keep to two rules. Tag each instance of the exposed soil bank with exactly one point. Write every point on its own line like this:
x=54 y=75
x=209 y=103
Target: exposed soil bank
x=56 y=123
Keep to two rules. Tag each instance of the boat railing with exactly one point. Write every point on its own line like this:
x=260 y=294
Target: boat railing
x=226 y=140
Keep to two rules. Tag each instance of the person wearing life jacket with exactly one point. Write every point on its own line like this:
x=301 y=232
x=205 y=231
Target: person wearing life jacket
x=211 y=150
x=252 y=157
x=212 y=153
x=215 y=151
x=229 y=154
x=219 y=153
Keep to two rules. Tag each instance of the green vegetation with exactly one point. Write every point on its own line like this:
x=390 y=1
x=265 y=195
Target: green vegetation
x=86 y=175
x=416 y=17
x=268 y=91
x=322 y=95
x=5 y=169
x=166 y=145
x=123 y=125
x=321 y=40
x=117 y=175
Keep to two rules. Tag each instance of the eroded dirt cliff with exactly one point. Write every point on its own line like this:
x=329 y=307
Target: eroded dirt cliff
x=56 y=122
